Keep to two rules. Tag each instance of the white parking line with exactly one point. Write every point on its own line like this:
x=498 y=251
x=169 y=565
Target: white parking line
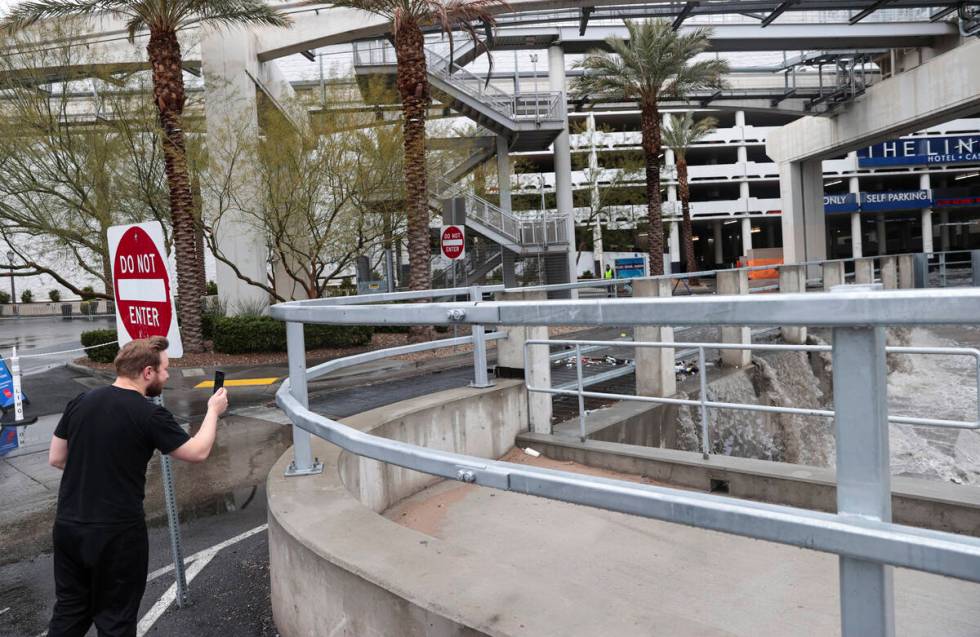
x=200 y=560
x=214 y=549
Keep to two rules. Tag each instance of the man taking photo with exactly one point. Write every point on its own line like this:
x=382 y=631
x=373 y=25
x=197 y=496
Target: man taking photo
x=104 y=441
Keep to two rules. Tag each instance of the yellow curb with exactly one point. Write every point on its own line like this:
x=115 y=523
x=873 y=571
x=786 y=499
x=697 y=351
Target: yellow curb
x=237 y=382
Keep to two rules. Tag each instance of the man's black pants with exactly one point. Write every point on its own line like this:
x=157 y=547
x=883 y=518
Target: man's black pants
x=100 y=576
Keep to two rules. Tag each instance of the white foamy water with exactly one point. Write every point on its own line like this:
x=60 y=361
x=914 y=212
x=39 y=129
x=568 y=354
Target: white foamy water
x=935 y=387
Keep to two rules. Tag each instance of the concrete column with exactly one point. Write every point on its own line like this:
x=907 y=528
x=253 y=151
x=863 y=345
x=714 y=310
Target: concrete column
x=906 y=272
x=864 y=270
x=924 y=184
x=944 y=230
x=746 y=236
x=510 y=361
x=563 y=159
x=503 y=173
x=854 y=187
x=889 y=272
x=735 y=282
x=654 y=367
x=882 y=235
x=792 y=280
x=674 y=241
x=716 y=230
x=803 y=219
x=833 y=274
x=231 y=118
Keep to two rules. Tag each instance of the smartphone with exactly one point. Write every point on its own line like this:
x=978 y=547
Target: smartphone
x=219 y=380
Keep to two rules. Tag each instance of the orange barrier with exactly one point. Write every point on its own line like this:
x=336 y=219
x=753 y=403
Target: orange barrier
x=760 y=274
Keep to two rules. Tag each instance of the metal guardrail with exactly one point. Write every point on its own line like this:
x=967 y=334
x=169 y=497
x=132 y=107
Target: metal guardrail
x=704 y=404
x=546 y=229
x=861 y=532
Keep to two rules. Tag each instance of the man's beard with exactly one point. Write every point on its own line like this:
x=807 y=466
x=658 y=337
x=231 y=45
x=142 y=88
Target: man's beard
x=154 y=389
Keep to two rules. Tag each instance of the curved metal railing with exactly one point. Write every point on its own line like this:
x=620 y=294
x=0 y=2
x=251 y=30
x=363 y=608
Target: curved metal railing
x=860 y=533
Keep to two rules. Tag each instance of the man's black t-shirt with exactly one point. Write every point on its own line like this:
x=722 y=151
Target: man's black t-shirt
x=111 y=434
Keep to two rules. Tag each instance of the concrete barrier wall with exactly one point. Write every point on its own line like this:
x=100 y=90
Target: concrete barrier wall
x=337 y=567
x=924 y=503
x=480 y=424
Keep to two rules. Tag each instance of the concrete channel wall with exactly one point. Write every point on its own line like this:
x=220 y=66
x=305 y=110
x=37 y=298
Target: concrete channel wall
x=924 y=503
x=339 y=568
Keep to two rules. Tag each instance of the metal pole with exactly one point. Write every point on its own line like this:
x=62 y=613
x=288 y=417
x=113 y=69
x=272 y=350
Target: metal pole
x=303 y=463
x=942 y=269
x=18 y=398
x=921 y=269
x=480 y=378
x=581 y=398
x=703 y=374
x=975 y=263
x=863 y=477
x=173 y=523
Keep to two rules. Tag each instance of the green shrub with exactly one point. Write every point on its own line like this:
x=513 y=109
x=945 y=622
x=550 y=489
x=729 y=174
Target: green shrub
x=88 y=307
x=87 y=293
x=54 y=295
x=212 y=288
x=27 y=296
x=4 y=298
x=244 y=334
x=105 y=354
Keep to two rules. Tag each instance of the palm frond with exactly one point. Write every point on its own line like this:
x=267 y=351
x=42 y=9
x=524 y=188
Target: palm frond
x=228 y=13
x=26 y=14
x=683 y=132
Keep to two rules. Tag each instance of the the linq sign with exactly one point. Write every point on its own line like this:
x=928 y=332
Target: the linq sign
x=922 y=150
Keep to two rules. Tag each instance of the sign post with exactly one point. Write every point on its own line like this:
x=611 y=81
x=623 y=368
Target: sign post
x=145 y=307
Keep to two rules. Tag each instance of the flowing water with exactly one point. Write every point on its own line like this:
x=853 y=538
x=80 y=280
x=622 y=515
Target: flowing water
x=935 y=386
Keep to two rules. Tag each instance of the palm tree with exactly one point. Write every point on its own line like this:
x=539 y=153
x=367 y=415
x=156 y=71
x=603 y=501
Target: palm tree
x=683 y=133
x=655 y=63
x=163 y=19
x=408 y=17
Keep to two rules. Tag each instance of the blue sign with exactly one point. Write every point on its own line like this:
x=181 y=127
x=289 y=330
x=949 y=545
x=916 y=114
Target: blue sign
x=8 y=440
x=922 y=150
x=6 y=387
x=899 y=200
x=629 y=268
x=840 y=203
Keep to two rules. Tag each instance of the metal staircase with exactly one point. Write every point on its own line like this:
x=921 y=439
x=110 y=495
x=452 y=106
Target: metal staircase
x=530 y=121
x=525 y=234
x=480 y=260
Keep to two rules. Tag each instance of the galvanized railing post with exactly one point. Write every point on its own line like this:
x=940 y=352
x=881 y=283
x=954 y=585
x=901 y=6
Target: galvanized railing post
x=303 y=461
x=975 y=267
x=480 y=377
x=703 y=374
x=863 y=476
x=581 y=398
x=942 y=269
x=921 y=265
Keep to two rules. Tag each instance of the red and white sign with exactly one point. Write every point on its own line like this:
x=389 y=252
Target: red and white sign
x=141 y=285
x=453 y=242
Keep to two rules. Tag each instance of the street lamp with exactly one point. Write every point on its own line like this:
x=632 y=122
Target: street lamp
x=10 y=263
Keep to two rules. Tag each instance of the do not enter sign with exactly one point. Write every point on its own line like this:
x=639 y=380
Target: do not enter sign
x=453 y=242
x=141 y=285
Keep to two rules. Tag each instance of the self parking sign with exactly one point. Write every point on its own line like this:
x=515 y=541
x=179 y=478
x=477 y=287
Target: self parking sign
x=142 y=285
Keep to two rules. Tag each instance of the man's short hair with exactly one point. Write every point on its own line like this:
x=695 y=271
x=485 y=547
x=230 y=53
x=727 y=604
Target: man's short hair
x=138 y=354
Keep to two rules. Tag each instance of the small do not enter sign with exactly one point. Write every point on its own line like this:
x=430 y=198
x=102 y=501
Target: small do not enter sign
x=141 y=285
x=453 y=242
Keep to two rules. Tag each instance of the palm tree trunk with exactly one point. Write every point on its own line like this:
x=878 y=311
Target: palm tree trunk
x=168 y=92
x=687 y=230
x=650 y=127
x=413 y=88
